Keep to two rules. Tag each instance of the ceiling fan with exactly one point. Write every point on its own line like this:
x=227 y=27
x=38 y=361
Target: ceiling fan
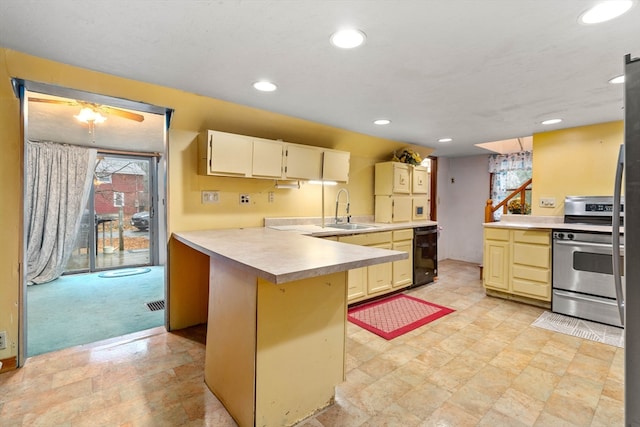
x=90 y=112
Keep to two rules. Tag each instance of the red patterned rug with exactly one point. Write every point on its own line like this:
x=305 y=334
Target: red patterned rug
x=396 y=315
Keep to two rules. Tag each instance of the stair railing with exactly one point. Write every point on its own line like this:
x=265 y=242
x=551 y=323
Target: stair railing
x=489 y=209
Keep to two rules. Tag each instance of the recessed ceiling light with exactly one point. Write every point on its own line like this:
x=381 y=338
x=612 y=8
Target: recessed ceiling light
x=605 y=11
x=265 y=86
x=347 y=39
x=551 y=121
x=381 y=122
x=617 y=80
x=445 y=140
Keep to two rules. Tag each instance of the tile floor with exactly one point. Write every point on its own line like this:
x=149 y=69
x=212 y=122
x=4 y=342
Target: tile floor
x=483 y=365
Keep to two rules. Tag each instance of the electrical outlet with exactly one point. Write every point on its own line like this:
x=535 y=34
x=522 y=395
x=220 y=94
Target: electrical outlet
x=3 y=340
x=270 y=197
x=245 y=199
x=547 y=202
x=210 y=197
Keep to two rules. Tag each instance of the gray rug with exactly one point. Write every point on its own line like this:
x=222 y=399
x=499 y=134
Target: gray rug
x=581 y=328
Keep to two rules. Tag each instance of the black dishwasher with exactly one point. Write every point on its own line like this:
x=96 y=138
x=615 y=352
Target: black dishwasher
x=425 y=254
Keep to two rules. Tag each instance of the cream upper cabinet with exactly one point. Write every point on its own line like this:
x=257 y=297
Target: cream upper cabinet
x=303 y=162
x=335 y=165
x=228 y=154
x=224 y=153
x=420 y=180
x=267 y=158
x=390 y=209
x=392 y=178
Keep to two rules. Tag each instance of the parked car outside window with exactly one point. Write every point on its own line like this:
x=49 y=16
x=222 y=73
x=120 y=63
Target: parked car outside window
x=140 y=220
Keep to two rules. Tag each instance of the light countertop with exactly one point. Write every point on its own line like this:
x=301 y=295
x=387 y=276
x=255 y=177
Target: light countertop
x=312 y=227
x=545 y=222
x=283 y=257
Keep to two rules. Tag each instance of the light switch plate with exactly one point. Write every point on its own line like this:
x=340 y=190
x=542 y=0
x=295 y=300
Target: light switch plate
x=210 y=197
x=547 y=202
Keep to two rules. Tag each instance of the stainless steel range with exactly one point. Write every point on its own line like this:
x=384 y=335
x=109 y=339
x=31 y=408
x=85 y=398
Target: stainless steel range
x=583 y=284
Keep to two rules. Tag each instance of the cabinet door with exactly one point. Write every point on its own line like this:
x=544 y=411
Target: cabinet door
x=267 y=158
x=403 y=270
x=303 y=162
x=401 y=179
x=230 y=154
x=335 y=165
x=420 y=181
x=380 y=275
x=356 y=283
x=496 y=264
x=402 y=206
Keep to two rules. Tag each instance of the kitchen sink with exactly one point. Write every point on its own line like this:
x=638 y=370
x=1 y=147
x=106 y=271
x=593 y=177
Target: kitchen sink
x=350 y=226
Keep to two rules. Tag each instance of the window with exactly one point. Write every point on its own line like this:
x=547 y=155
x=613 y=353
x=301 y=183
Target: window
x=118 y=199
x=508 y=172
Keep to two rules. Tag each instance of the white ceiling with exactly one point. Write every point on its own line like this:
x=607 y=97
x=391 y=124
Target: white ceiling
x=475 y=71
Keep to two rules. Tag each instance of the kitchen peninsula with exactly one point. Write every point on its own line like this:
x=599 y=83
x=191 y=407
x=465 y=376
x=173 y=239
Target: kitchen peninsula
x=276 y=318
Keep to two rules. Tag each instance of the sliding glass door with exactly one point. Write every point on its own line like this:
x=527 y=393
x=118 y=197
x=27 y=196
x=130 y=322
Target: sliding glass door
x=117 y=228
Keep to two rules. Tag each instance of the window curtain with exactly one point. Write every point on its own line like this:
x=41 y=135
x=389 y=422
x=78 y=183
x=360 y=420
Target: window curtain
x=59 y=179
x=509 y=171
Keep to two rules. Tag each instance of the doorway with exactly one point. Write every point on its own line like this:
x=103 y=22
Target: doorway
x=121 y=224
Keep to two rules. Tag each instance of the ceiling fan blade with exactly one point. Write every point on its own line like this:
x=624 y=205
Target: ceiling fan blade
x=54 y=101
x=122 y=113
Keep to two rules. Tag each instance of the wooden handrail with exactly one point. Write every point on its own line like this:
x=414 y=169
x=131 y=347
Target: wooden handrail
x=489 y=209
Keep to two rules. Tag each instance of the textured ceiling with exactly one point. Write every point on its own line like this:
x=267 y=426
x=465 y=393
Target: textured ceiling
x=475 y=71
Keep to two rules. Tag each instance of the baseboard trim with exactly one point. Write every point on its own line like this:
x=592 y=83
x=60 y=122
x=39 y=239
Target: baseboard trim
x=518 y=298
x=9 y=364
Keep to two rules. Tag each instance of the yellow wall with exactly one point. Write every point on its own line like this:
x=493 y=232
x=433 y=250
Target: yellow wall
x=193 y=113
x=579 y=161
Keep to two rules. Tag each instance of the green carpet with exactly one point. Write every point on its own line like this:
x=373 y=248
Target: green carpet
x=84 y=308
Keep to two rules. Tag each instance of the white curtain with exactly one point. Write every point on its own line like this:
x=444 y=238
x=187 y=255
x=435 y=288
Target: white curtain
x=59 y=179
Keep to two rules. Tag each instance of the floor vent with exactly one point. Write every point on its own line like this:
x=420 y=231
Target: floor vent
x=155 y=305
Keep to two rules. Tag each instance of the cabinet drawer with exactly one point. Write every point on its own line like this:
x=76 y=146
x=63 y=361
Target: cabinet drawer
x=532 y=236
x=496 y=233
x=532 y=255
x=367 y=239
x=542 y=275
x=532 y=289
x=403 y=234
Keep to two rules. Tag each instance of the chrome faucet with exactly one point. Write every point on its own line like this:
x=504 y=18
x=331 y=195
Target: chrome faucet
x=337 y=220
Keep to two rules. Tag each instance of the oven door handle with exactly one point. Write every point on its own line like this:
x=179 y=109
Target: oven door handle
x=582 y=297
x=588 y=245
x=615 y=259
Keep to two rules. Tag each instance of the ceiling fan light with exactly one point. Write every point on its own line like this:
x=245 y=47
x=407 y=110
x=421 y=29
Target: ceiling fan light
x=88 y=115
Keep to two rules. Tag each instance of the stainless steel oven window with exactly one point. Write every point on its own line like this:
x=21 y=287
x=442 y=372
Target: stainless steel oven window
x=595 y=263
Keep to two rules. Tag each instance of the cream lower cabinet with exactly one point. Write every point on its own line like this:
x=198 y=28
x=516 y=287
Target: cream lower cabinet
x=496 y=258
x=403 y=270
x=376 y=280
x=518 y=262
